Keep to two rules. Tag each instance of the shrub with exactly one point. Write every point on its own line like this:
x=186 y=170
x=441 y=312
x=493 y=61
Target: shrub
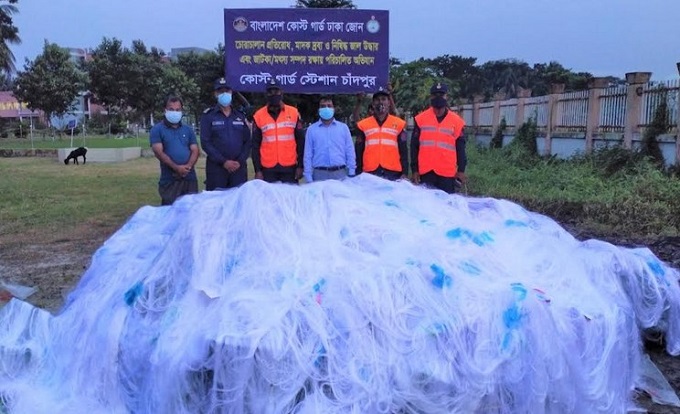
x=523 y=150
x=497 y=139
x=21 y=130
x=649 y=146
x=101 y=124
x=611 y=160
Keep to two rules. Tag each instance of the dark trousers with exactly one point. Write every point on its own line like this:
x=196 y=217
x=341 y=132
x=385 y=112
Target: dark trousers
x=434 y=180
x=386 y=174
x=173 y=190
x=216 y=177
x=284 y=175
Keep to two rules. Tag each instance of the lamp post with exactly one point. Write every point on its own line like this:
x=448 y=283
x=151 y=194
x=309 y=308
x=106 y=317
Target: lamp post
x=21 y=131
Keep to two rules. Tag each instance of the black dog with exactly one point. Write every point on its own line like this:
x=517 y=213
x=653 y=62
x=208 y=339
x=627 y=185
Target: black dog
x=78 y=152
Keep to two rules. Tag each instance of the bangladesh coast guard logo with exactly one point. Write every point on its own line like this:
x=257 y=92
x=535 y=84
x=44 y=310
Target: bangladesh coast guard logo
x=240 y=24
x=372 y=25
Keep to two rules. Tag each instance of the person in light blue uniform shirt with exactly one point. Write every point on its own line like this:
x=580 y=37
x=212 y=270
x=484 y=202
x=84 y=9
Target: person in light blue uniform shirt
x=329 y=149
x=226 y=139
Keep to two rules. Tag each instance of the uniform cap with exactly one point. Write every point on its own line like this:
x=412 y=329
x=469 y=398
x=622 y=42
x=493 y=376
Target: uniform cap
x=221 y=83
x=272 y=84
x=439 y=88
x=381 y=91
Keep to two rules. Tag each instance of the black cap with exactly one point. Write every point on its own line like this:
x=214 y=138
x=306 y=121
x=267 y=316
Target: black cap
x=439 y=88
x=381 y=91
x=272 y=84
x=221 y=83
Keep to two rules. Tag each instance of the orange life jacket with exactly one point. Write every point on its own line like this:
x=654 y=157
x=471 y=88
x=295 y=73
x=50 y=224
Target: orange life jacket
x=382 y=143
x=278 y=136
x=437 y=150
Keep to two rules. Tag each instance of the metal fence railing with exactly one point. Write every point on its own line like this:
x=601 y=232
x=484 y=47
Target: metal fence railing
x=572 y=110
x=612 y=109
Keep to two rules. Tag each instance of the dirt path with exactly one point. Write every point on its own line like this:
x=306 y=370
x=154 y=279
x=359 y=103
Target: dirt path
x=54 y=262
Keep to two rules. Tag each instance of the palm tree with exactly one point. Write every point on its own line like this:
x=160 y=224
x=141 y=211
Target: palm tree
x=325 y=4
x=9 y=34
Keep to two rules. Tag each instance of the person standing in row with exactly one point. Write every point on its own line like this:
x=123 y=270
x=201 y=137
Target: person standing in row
x=174 y=145
x=278 y=139
x=226 y=139
x=381 y=146
x=438 y=155
x=329 y=150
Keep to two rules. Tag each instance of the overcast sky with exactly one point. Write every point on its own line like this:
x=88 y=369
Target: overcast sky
x=604 y=37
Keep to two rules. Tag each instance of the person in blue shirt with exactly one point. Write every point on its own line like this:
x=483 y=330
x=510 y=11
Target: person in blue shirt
x=226 y=139
x=329 y=149
x=175 y=146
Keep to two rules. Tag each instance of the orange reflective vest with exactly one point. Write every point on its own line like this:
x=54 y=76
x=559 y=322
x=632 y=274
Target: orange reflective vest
x=382 y=143
x=437 y=150
x=278 y=136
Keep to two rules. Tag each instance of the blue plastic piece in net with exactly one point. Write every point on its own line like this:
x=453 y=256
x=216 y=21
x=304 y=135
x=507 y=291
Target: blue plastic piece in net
x=440 y=279
x=515 y=223
x=470 y=268
x=133 y=293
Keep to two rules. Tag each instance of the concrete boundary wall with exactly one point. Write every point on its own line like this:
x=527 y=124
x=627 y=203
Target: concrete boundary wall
x=574 y=122
x=104 y=155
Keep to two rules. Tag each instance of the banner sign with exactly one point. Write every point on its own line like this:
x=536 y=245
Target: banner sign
x=307 y=50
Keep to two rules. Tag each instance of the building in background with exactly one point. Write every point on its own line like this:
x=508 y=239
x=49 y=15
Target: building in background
x=176 y=51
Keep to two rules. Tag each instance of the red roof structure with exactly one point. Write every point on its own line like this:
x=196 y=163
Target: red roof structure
x=10 y=107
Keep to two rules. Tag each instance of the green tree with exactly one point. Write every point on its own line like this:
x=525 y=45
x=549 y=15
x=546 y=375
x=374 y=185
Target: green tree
x=134 y=83
x=154 y=78
x=6 y=82
x=111 y=75
x=203 y=69
x=325 y=4
x=9 y=34
x=51 y=82
x=462 y=74
x=543 y=75
x=507 y=76
x=411 y=83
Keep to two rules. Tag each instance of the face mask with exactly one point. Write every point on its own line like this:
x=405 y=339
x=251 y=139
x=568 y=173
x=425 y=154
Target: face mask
x=224 y=99
x=274 y=100
x=173 y=116
x=326 y=113
x=438 y=102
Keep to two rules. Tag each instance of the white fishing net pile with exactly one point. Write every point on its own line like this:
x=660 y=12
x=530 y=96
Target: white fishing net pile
x=360 y=296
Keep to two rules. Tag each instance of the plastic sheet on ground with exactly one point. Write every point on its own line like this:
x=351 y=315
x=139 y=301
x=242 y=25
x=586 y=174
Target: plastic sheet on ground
x=14 y=290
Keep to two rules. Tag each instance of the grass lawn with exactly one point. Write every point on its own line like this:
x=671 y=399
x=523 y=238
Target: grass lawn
x=41 y=192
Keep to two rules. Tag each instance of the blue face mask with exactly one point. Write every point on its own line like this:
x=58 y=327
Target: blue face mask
x=326 y=113
x=173 y=116
x=224 y=99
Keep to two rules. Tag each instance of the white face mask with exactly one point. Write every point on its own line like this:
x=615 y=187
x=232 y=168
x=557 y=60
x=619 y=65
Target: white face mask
x=173 y=116
x=224 y=99
x=326 y=113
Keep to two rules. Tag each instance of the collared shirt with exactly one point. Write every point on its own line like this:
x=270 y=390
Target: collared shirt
x=177 y=142
x=328 y=146
x=225 y=137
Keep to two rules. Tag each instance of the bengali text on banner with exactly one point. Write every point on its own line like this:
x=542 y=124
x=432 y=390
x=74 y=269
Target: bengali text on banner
x=307 y=50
